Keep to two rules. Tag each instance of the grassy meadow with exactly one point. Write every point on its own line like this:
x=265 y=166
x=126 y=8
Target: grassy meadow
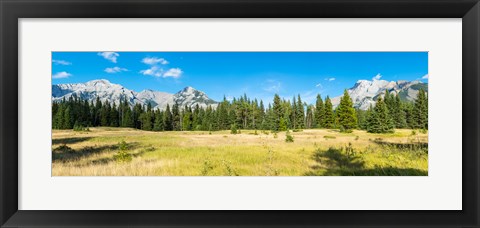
x=316 y=152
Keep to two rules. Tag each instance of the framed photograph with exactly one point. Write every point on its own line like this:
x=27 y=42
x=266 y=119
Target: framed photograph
x=239 y=113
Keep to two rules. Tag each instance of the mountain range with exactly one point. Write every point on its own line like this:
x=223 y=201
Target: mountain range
x=113 y=93
x=364 y=93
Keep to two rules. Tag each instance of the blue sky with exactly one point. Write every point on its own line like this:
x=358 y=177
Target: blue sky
x=258 y=74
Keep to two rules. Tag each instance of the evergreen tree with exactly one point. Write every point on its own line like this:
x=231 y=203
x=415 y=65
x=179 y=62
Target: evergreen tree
x=300 y=114
x=176 y=118
x=319 y=112
x=408 y=109
x=293 y=113
x=329 y=118
x=420 y=111
x=187 y=119
x=389 y=101
x=114 y=116
x=97 y=110
x=361 y=119
x=58 y=118
x=128 y=120
x=310 y=119
x=379 y=120
x=146 y=118
x=168 y=119
x=399 y=112
x=277 y=112
x=158 y=123
x=67 y=119
x=347 y=118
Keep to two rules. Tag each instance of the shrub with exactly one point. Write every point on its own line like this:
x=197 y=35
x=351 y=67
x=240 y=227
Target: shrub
x=122 y=154
x=207 y=167
x=79 y=127
x=297 y=130
x=423 y=131
x=233 y=129
x=288 y=137
x=229 y=169
x=357 y=137
x=349 y=150
x=343 y=130
x=63 y=149
x=329 y=137
x=275 y=135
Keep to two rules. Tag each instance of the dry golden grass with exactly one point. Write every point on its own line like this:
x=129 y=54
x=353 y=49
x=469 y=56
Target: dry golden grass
x=313 y=152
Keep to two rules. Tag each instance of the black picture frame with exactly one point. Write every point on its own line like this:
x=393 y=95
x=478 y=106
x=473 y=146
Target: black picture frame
x=12 y=10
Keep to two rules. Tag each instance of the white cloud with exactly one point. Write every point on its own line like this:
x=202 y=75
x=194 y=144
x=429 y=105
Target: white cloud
x=109 y=55
x=61 y=62
x=377 y=77
x=153 y=71
x=272 y=86
x=330 y=79
x=157 y=70
x=154 y=60
x=62 y=74
x=113 y=70
x=319 y=85
x=425 y=76
x=173 y=72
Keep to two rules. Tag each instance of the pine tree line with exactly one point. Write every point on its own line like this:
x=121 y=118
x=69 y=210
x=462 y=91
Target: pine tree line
x=244 y=113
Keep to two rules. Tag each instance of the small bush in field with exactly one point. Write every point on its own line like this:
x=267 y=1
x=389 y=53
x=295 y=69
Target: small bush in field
x=288 y=137
x=63 y=149
x=423 y=131
x=207 y=167
x=233 y=129
x=229 y=170
x=357 y=137
x=275 y=135
x=329 y=137
x=122 y=155
x=343 y=130
x=78 y=127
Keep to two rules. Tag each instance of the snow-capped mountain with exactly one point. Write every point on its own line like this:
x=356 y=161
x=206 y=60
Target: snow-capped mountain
x=365 y=93
x=190 y=97
x=113 y=93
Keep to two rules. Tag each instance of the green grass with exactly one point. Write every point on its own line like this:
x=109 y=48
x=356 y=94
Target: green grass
x=313 y=152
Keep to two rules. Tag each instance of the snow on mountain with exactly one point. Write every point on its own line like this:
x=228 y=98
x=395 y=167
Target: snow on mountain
x=155 y=98
x=365 y=93
x=190 y=97
x=107 y=91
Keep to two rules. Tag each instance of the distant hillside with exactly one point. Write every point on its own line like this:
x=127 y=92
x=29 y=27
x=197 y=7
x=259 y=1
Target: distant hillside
x=365 y=93
x=113 y=93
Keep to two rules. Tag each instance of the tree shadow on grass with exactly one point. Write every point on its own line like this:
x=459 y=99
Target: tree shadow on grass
x=112 y=159
x=69 y=140
x=335 y=162
x=64 y=153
